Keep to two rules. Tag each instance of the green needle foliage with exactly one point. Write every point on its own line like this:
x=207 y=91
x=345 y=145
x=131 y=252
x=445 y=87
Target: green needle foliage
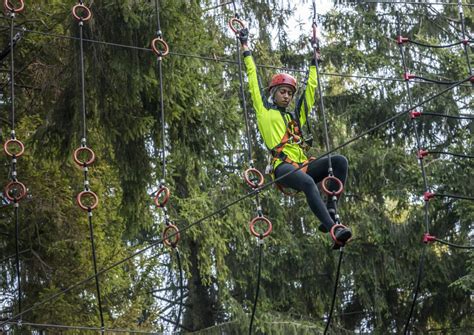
x=206 y=154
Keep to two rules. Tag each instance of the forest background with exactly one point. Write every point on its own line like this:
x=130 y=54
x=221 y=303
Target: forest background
x=206 y=156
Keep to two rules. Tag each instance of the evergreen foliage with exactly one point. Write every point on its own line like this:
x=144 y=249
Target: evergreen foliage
x=206 y=155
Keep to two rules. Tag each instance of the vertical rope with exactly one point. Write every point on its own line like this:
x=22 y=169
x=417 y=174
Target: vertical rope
x=162 y=205
x=464 y=37
x=336 y=284
x=17 y=255
x=12 y=73
x=257 y=290
x=84 y=165
x=83 y=84
x=162 y=106
x=94 y=260
x=14 y=155
x=423 y=173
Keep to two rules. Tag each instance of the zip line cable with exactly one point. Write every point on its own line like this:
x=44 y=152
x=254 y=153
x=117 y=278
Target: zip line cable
x=232 y=203
x=84 y=156
x=160 y=48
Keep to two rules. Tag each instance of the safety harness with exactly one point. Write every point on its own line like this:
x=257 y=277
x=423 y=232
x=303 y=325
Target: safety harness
x=293 y=135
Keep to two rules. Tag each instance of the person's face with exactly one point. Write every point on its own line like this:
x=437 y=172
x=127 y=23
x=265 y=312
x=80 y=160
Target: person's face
x=283 y=95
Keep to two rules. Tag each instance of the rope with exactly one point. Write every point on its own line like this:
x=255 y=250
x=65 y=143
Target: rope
x=416 y=3
x=336 y=283
x=232 y=203
x=451 y=154
x=87 y=190
x=215 y=58
x=458 y=246
x=162 y=186
x=415 y=291
x=423 y=173
x=463 y=29
x=94 y=260
x=259 y=275
x=450 y=116
x=454 y=196
x=11 y=190
x=106 y=330
x=17 y=255
x=435 y=46
x=181 y=288
x=440 y=82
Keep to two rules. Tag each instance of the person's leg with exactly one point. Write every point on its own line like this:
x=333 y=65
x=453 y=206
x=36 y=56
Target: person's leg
x=301 y=181
x=319 y=169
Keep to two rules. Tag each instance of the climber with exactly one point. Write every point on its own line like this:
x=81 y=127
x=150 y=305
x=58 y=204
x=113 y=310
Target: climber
x=281 y=130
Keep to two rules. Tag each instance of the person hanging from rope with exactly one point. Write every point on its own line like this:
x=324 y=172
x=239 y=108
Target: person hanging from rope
x=281 y=130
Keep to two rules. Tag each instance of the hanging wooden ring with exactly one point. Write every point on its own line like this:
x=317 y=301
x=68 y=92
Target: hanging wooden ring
x=155 y=47
x=250 y=182
x=84 y=163
x=9 y=189
x=262 y=219
x=232 y=23
x=163 y=190
x=12 y=8
x=329 y=192
x=85 y=16
x=12 y=142
x=174 y=233
x=83 y=194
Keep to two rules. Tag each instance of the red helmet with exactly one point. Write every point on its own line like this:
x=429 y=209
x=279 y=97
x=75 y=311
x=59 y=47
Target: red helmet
x=283 y=79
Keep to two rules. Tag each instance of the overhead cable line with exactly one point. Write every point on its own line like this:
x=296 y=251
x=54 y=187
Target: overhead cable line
x=213 y=58
x=105 y=330
x=232 y=203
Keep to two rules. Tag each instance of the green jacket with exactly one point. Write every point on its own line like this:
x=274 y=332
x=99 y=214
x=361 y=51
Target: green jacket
x=270 y=121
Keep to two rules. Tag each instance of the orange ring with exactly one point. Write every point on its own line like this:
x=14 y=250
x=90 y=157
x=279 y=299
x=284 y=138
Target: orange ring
x=236 y=20
x=250 y=182
x=78 y=161
x=157 y=51
x=257 y=219
x=9 y=188
x=86 y=208
x=165 y=200
x=333 y=236
x=15 y=141
x=328 y=192
x=12 y=9
x=80 y=18
x=176 y=235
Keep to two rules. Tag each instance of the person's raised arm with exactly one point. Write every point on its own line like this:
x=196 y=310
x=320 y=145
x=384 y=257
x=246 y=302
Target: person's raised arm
x=254 y=87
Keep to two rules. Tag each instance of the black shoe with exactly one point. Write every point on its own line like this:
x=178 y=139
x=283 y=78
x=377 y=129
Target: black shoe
x=342 y=235
x=322 y=228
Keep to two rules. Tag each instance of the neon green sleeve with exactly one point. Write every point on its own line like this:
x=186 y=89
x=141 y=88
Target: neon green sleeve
x=309 y=93
x=254 y=88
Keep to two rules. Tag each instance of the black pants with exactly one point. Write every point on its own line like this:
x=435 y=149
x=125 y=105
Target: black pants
x=306 y=182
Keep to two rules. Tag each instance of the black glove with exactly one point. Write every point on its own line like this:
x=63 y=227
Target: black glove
x=243 y=36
